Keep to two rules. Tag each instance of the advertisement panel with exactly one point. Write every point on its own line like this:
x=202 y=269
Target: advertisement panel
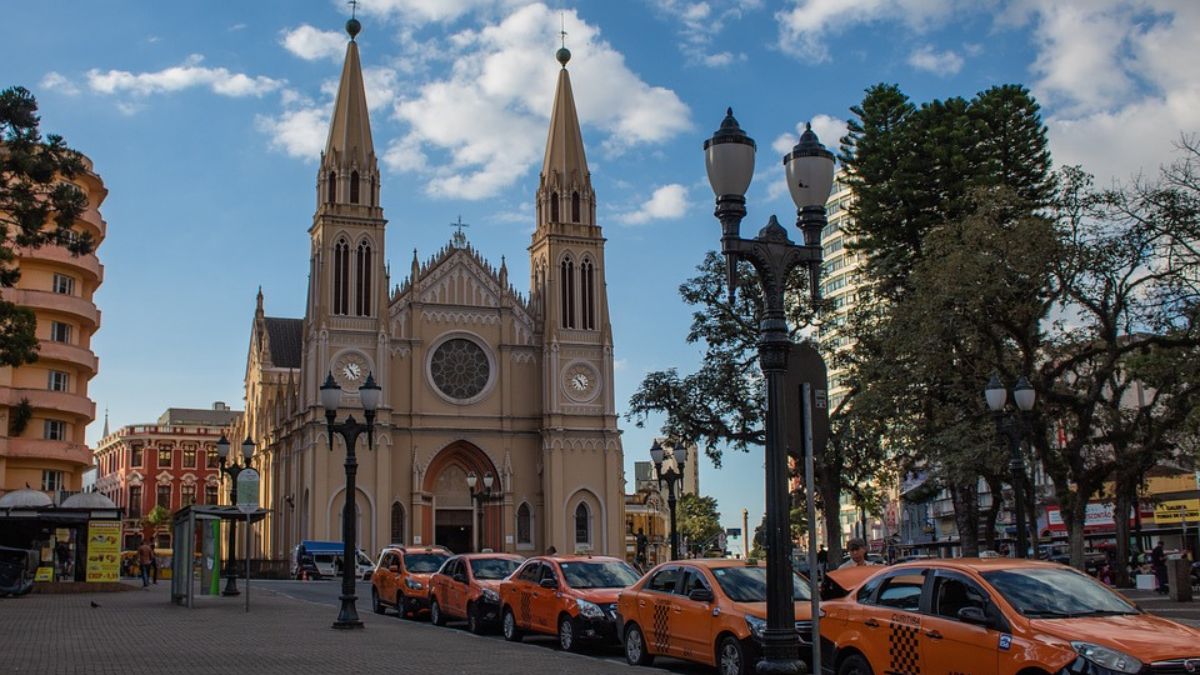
x=103 y=551
x=1175 y=511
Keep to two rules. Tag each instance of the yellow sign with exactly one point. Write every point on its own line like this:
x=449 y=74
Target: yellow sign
x=44 y=573
x=1176 y=511
x=103 y=550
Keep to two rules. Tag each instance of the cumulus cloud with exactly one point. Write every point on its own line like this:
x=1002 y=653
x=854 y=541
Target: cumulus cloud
x=667 y=202
x=941 y=64
x=298 y=133
x=698 y=25
x=829 y=131
x=424 y=11
x=55 y=81
x=176 y=78
x=311 y=44
x=807 y=24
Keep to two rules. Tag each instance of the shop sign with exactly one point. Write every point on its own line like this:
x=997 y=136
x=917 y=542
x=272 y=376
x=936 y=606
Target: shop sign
x=1175 y=511
x=103 y=551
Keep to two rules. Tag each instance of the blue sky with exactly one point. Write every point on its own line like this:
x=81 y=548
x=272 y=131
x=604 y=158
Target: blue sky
x=205 y=121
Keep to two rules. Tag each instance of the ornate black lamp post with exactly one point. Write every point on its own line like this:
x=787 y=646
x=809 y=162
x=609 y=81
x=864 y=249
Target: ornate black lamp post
x=729 y=158
x=232 y=470
x=672 y=476
x=331 y=397
x=1011 y=425
x=479 y=498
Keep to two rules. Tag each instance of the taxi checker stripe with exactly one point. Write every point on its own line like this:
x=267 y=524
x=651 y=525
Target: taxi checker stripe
x=525 y=611
x=661 y=629
x=903 y=649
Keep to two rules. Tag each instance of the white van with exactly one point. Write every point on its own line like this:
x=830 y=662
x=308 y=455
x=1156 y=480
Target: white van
x=327 y=556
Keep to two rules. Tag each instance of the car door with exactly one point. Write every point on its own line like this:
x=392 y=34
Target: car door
x=448 y=591
x=656 y=607
x=692 y=620
x=948 y=641
x=525 y=582
x=891 y=622
x=386 y=582
x=545 y=600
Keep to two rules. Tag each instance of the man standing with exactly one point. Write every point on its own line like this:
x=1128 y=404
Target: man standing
x=1158 y=562
x=858 y=554
x=822 y=558
x=145 y=559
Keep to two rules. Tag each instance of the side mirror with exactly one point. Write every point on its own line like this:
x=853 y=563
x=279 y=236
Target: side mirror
x=394 y=569
x=701 y=595
x=552 y=584
x=974 y=616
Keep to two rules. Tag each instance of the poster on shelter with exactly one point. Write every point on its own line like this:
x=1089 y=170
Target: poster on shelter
x=103 y=550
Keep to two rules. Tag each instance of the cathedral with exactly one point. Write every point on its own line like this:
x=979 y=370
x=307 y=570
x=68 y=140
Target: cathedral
x=497 y=427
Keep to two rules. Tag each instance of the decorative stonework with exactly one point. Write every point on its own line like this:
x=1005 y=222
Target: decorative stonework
x=460 y=317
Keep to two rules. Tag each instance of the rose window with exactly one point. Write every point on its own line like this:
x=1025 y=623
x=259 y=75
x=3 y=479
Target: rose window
x=459 y=368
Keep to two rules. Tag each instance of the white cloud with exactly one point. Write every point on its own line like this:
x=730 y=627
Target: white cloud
x=237 y=26
x=667 y=202
x=1080 y=53
x=311 y=44
x=805 y=27
x=299 y=133
x=55 y=81
x=427 y=11
x=699 y=23
x=941 y=64
x=829 y=131
x=176 y=78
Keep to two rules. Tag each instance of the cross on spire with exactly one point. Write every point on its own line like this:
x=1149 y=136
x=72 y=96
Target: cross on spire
x=563 y=31
x=459 y=239
x=353 y=8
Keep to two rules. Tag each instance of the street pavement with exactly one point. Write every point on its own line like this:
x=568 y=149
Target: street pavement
x=287 y=630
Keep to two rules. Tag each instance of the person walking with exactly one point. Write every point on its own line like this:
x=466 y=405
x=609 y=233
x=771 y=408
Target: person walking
x=145 y=556
x=1158 y=562
x=822 y=558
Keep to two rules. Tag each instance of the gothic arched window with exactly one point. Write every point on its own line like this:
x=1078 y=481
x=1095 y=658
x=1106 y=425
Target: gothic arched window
x=583 y=524
x=524 y=525
x=331 y=188
x=341 y=277
x=575 y=207
x=374 y=195
x=397 y=523
x=362 y=294
x=587 y=286
x=353 y=187
x=554 y=207
x=568 y=293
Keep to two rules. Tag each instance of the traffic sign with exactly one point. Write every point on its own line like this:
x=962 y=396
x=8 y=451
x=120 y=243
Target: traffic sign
x=247 y=491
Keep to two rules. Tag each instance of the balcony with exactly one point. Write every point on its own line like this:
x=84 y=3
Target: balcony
x=60 y=351
x=40 y=448
x=54 y=302
x=58 y=401
x=88 y=264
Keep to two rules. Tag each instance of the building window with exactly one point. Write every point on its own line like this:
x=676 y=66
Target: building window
x=353 y=187
x=568 y=293
x=164 y=496
x=341 y=277
x=59 y=381
x=210 y=494
x=52 y=481
x=362 y=298
x=397 y=523
x=524 y=525
x=134 y=510
x=574 y=207
x=587 y=285
x=583 y=524
x=211 y=460
x=187 y=494
x=64 y=284
x=372 y=191
x=189 y=456
x=331 y=188
x=136 y=455
x=54 y=430
x=164 y=457
x=60 y=332
x=554 y=207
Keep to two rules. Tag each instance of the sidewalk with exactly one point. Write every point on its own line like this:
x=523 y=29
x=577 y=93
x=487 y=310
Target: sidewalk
x=1187 y=613
x=141 y=632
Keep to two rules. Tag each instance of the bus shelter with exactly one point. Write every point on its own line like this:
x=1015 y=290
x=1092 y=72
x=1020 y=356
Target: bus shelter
x=197 y=540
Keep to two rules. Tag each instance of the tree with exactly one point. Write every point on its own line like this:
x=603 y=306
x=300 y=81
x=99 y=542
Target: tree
x=38 y=206
x=698 y=522
x=156 y=518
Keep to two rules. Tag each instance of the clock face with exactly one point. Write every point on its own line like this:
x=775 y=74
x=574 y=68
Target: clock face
x=350 y=370
x=581 y=382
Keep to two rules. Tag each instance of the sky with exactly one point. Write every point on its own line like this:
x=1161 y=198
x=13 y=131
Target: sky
x=206 y=120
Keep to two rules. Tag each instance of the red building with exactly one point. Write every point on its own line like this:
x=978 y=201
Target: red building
x=171 y=463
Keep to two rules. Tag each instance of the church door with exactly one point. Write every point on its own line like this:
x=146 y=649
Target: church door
x=453 y=515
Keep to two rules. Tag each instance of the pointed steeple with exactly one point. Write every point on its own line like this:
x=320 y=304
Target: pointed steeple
x=349 y=172
x=565 y=192
x=104 y=434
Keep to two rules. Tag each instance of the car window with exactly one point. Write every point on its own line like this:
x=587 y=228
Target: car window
x=530 y=572
x=694 y=580
x=749 y=584
x=424 y=563
x=902 y=591
x=952 y=594
x=1056 y=593
x=493 y=568
x=865 y=593
x=451 y=567
x=597 y=574
x=664 y=580
x=548 y=573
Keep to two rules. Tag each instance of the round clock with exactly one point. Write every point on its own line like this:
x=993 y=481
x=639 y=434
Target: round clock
x=581 y=382
x=350 y=370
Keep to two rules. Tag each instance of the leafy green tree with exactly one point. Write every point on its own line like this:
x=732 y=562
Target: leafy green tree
x=698 y=520
x=38 y=206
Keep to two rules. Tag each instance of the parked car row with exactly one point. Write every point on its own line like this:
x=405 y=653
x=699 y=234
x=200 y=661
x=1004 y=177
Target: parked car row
x=981 y=616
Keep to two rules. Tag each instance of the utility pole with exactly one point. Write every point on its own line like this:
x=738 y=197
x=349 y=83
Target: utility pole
x=745 y=533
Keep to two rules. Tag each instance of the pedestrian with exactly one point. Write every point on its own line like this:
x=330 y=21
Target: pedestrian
x=822 y=558
x=858 y=554
x=551 y=551
x=145 y=555
x=1158 y=563
x=154 y=565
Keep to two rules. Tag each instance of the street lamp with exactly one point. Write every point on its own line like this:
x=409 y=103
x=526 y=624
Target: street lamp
x=729 y=159
x=479 y=498
x=232 y=470
x=672 y=476
x=331 y=397
x=1012 y=426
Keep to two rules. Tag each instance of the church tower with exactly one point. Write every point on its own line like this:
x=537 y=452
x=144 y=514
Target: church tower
x=579 y=422
x=345 y=318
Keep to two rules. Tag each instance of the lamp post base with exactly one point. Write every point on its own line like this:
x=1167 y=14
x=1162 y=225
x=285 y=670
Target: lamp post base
x=780 y=649
x=231 y=588
x=348 y=616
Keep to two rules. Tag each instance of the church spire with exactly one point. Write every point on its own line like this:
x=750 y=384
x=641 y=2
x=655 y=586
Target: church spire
x=565 y=192
x=349 y=172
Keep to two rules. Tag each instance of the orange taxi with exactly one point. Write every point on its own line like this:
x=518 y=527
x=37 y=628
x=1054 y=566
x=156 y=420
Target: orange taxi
x=468 y=587
x=571 y=596
x=989 y=616
x=401 y=578
x=709 y=611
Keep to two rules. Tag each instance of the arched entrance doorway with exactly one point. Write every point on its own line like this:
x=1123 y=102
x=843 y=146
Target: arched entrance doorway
x=455 y=517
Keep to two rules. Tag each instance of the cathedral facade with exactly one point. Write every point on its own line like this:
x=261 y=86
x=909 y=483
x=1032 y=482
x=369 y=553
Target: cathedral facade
x=497 y=427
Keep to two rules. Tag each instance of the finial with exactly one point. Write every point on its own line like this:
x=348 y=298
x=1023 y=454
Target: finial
x=459 y=240
x=563 y=54
x=353 y=27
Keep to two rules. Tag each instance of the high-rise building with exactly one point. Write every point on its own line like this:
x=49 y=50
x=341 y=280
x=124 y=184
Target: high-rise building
x=44 y=406
x=840 y=283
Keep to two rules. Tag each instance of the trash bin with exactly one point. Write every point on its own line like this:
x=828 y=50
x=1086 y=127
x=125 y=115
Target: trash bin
x=1179 y=579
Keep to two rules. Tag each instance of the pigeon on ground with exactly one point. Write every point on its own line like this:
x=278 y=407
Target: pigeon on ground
x=95 y=604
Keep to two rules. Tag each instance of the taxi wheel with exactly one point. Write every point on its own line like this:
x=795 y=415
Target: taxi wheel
x=566 y=635
x=435 y=613
x=509 y=625
x=375 y=604
x=635 y=647
x=855 y=664
x=473 y=623
x=731 y=658
x=401 y=608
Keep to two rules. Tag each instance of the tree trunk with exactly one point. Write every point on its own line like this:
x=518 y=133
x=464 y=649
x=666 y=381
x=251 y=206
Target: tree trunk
x=831 y=503
x=1121 y=507
x=1031 y=512
x=966 y=517
x=993 y=514
x=1078 y=516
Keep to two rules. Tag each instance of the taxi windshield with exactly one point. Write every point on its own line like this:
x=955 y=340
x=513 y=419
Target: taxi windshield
x=749 y=584
x=598 y=574
x=1048 y=593
x=493 y=568
x=424 y=562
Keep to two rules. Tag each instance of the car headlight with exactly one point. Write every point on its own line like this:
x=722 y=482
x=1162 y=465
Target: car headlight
x=756 y=625
x=1107 y=658
x=413 y=584
x=490 y=596
x=589 y=610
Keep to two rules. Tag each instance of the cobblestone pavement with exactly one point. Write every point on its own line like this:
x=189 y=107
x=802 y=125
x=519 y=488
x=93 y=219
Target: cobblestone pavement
x=1184 y=612
x=141 y=632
